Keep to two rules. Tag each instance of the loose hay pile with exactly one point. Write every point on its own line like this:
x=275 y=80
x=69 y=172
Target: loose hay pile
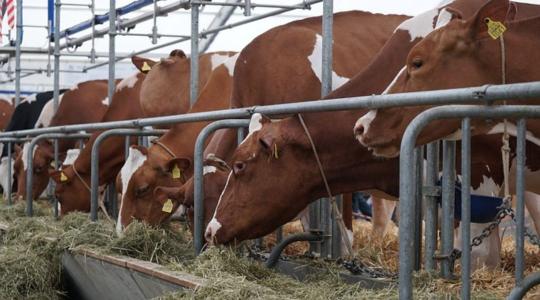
x=30 y=267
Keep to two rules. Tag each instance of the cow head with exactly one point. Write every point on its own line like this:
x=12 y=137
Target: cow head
x=71 y=190
x=255 y=200
x=461 y=54
x=42 y=158
x=144 y=170
x=162 y=89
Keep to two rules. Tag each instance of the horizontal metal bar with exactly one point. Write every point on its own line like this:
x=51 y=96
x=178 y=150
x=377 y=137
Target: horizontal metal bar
x=74 y=4
x=203 y=34
x=465 y=95
x=253 y=5
x=41 y=70
x=150 y=35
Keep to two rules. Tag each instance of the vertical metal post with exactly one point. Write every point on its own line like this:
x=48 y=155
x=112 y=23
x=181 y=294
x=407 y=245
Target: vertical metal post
x=111 y=189
x=154 y=26
x=336 y=233
x=93 y=50
x=419 y=158
x=324 y=214
x=56 y=78
x=18 y=41
x=247 y=8
x=520 y=205
x=466 y=209
x=10 y=175
x=194 y=74
x=448 y=193
x=127 y=144
x=431 y=207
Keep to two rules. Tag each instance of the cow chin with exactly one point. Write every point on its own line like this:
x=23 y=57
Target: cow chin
x=386 y=151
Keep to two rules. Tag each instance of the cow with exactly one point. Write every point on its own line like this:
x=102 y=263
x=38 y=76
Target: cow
x=24 y=116
x=166 y=88
x=85 y=102
x=345 y=164
x=6 y=110
x=147 y=168
x=291 y=76
x=438 y=61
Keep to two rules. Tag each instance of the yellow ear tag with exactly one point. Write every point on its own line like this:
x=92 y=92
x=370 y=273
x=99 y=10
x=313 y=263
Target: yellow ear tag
x=276 y=154
x=495 y=28
x=176 y=172
x=146 y=67
x=63 y=177
x=167 y=206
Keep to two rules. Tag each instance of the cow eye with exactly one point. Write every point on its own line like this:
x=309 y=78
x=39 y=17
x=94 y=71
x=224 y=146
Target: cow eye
x=142 y=190
x=239 y=167
x=417 y=63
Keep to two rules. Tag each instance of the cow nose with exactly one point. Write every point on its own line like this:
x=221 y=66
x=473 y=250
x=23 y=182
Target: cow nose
x=358 y=129
x=211 y=230
x=208 y=235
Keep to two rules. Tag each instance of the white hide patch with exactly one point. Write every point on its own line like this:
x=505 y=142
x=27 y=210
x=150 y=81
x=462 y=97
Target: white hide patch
x=230 y=63
x=255 y=125
x=214 y=224
x=218 y=60
x=316 y=64
x=512 y=130
x=105 y=101
x=30 y=98
x=444 y=18
x=419 y=26
x=209 y=170
x=128 y=82
x=47 y=113
x=487 y=187
x=134 y=161
x=24 y=157
x=4 y=173
x=71 y=156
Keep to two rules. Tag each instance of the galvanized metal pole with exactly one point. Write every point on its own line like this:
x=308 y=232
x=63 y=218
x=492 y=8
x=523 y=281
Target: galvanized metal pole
x=9 y=173
x=194 y=71
x=520 y=205
x=419 y=158
x=154 y=25
x=198 y=178
x=18 y=41
x=56 y=87
x=111 y=189
x=448 y=196
x=466 y=209
x=431 y=206
x=93 y=50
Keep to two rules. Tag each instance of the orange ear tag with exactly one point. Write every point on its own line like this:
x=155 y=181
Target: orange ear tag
x=167 y=206
x=63 y=177
x=495 y=28
x=146 y=67
x=176 y=172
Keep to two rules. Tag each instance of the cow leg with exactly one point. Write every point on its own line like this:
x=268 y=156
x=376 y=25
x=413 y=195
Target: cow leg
x=486 y=254
x=532 y=202
x=382 y=214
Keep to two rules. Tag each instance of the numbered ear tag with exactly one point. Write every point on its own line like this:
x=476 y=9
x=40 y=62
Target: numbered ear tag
x=176 y=172
x=167 y=206
x=276 y=153
x=495 y=28
x=146 y=67
x=63 y=177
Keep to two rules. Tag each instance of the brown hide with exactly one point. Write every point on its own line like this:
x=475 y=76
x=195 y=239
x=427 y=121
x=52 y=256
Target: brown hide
x=6 y=110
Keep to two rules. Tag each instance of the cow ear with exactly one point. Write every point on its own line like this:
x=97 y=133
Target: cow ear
x=143 y=64
x=492 y=14
x=177 y=166
x=178 y=52
x=18 y=149
x=454 y=12
x=59 y=177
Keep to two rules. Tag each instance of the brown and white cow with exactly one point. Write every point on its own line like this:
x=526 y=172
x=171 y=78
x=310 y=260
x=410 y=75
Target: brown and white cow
x=256 y=174
x=461 y=54
x=73 y=180
x=294 y=74
x=6 y=110
x=84 y=103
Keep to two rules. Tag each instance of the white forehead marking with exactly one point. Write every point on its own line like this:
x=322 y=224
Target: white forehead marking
x=4 y=172
x=128 y=82
x=444 y=18
x=316 y=64
x=222 y=193
x=134 y=161
x=512 y=130
x=30 y=98
x=209 y=170
x=419 y=26
x=105 y=101
x=24 y=158
x=71 y=156
x=230 y=63
x=255 y=125
x=394 y=80
x=218 y=60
